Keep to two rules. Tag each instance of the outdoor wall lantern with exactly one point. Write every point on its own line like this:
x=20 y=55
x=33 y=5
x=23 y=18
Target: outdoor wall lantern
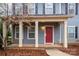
x=43 y=28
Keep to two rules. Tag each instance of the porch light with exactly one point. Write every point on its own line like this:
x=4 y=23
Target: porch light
x=43 y=27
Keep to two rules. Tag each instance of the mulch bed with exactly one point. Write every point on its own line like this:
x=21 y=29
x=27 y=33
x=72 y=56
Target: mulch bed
x=73 y=49
x=23 y=52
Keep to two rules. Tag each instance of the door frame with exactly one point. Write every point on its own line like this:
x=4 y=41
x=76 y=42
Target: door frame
x=52 y=33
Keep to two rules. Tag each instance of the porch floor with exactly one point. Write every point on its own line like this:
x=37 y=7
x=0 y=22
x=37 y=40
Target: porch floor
x=40 y=45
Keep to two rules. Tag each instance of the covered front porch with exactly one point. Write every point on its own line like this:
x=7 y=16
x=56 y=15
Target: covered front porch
x=48 y=32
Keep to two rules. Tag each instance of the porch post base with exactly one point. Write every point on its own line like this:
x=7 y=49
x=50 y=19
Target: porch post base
x=65 y=46
x=36 y=45
x=20 y=45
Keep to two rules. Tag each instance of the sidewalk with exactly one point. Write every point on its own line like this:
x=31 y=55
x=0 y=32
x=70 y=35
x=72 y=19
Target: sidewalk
x=56 y=52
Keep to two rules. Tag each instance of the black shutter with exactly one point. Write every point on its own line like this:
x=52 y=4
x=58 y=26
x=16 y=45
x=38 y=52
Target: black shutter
x=76 y=7
x=44 y=8
x=66 y=8
x=13 y=8
x=53 y=8
x=36 y=8
x=76 y=32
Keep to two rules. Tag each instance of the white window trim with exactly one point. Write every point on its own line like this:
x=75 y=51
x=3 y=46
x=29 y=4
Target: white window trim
x=38 y=9
x=28 y=34
x=74 y=31
x=59 y=4
x=15 y=32
x=47 y=8
x=29 y=9
x=74 y=9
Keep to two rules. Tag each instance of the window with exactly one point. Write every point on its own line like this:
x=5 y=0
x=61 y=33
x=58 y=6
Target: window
x=40 y=8
x=31 y=8
x=25 y=12
x=9 y=9
x=16 y=32
x=72 y=32
x=48 y=8
x=71 y=8
x=18 y=9
x=31 y=33
x=63 y=8
x=57 y=8
x=78 y=9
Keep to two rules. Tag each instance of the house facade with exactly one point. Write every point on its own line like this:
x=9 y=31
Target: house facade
x=44 y=23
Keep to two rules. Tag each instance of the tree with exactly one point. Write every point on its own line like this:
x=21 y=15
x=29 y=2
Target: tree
x=4 y=12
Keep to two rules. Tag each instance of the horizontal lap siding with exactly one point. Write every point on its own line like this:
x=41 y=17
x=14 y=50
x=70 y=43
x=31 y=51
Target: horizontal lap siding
x=74 y=22
x=41 y=34
x=25 y=40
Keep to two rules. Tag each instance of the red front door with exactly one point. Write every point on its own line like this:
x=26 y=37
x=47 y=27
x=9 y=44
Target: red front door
x=49 y=35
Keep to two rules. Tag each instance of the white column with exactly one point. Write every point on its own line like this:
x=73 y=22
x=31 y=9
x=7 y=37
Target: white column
x=36 y=33
x=11 y=30
x=60 y=33
x=65 y=34
x=20 y=33
x=4 y=33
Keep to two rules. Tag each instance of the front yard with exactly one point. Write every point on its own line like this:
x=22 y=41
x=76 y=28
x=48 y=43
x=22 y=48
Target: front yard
x=73 y=49
x=23 y=52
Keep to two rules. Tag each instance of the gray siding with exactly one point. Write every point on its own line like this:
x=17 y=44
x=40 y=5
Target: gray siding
x=41 y=36
x=25 y=40
x=56 y=33
x=74 y=22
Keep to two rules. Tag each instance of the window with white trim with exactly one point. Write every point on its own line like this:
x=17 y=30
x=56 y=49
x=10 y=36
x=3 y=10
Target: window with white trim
x=40 y=8
x=63 y=8
x=31 y=8
x=71 y=8
x=49 y=8
x=31 y=32
x=18 y=9
x=78 y=9
x=16 y=32
x=57 y=8
x=72 y=32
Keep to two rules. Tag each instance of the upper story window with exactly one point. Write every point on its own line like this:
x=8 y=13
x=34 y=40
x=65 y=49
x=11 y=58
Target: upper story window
x=57 y=8
x=25 y=10
x=31 y=8
x=71 y=8
x=40 y=8
x=48 y=8
x=63 y=8
x=18 y=9
x=78 y=9
x=9 y=9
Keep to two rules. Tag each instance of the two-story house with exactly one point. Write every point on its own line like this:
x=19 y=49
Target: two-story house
x=41 y=24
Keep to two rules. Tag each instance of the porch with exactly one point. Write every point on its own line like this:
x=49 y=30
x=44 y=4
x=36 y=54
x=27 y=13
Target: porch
x=50 y=34
x=54 y=21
